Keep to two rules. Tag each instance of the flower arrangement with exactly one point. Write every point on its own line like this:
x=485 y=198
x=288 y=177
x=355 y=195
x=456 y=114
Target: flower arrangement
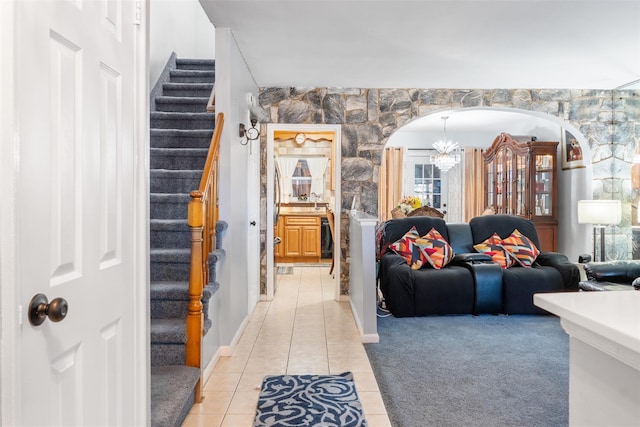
x=409 y=203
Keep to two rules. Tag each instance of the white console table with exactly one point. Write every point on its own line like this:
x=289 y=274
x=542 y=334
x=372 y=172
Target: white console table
x=604 y=354
x=362 y=274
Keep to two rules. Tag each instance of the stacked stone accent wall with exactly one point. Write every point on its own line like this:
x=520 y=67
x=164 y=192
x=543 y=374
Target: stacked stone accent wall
x=369 y=116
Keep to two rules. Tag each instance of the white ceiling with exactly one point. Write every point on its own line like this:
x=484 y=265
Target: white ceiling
x=586 y=44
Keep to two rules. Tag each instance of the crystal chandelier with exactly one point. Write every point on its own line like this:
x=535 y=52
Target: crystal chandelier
x=448 y=152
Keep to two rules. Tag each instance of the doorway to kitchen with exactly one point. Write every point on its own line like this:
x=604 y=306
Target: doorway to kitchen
x=303 y=195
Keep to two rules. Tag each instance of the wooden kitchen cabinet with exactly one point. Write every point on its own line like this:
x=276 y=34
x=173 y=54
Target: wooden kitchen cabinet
x=300 y=239
x=521 y=179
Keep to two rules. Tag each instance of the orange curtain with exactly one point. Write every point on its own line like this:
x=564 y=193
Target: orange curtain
x=390 y=181
x=473 y=182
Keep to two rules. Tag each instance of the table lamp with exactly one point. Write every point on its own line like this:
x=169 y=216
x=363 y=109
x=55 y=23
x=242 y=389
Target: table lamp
x=599 y=213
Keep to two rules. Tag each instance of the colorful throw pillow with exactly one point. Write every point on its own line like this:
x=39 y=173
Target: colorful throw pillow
x=406 y=247
x=492 y=247
x=436 y=249
x=520 y=248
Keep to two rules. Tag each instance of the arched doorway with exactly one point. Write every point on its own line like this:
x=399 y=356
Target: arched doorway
x=478 y=127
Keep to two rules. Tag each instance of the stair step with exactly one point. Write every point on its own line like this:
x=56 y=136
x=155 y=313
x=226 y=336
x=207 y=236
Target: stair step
x=165 y=120
x=192 y=76
x=169 y=206
x=169 y=233
x=171 y=299
x=168 y=331
x=178 y=158
x=195 y=64
x=187 y=89
x=174 y=264
x=170 y=264
x=221 y=230
x=174 y=181
x=181 y=104
x=172 y=394
x=178 y=138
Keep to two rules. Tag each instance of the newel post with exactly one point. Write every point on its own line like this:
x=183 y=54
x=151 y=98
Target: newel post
x=195 y=317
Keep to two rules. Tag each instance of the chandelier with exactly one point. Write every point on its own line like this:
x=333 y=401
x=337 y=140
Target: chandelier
x=448 y=152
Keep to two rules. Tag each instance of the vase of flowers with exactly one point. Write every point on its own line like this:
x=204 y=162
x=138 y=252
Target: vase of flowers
x=405 y=206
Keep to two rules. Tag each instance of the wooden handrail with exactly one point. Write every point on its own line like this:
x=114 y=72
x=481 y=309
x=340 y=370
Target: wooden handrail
x=202 y=218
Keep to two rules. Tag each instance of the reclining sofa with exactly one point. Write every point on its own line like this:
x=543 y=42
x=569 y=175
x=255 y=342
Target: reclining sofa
x=611 y=276
x=472 y=283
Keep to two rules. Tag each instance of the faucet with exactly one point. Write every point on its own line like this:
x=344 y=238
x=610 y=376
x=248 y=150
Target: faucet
x=315 y=201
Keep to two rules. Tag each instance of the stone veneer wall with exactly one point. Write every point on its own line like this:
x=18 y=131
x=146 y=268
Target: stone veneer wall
x=369 y=116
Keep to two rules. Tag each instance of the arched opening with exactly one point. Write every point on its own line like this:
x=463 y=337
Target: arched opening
x=477 y=127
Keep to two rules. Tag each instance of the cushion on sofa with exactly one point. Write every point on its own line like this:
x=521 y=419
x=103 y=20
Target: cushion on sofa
x=407 y=247
x=482 y=227
x=520 y=248
x=437 y=250
x=492 y=246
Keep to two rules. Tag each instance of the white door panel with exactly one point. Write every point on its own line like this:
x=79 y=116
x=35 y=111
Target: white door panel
x=75 y=209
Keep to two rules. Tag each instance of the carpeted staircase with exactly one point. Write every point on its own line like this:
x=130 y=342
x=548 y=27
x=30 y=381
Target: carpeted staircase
x=181 y=131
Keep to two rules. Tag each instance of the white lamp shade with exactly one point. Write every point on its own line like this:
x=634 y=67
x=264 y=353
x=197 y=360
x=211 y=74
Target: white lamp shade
x=599 y=212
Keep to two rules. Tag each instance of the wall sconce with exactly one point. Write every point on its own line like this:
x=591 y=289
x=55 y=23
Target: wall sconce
x=251 y=134
x=600 y=213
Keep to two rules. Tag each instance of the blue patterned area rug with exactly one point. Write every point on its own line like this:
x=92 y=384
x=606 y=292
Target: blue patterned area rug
x=309 y=400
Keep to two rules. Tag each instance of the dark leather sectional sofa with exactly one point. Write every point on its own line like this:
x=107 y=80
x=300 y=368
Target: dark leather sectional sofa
x=611 y=276
x=472 y=283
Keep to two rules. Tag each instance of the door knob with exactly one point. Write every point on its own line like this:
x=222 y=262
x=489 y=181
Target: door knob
x=252 y=223
x=40 y=308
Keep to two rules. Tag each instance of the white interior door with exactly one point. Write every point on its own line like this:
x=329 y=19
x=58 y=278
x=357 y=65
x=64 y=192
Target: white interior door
x=253 y=240
x=75 y=109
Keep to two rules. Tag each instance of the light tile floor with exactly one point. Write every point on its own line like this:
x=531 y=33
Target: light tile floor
x=302 y=331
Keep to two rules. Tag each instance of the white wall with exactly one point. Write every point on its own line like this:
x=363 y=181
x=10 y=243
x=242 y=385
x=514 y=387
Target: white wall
x=179 y=26
x=234 y=82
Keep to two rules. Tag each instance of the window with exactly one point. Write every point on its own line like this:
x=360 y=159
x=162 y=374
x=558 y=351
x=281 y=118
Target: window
x=427 y=185
x=301 y=179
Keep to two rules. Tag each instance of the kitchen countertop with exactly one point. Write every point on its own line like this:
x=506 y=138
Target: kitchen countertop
x=303 y=211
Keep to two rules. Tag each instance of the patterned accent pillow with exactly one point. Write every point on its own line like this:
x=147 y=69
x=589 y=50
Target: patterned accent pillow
x=520 y=248
x=492 y=247
x=436 y=249
x=407 y=248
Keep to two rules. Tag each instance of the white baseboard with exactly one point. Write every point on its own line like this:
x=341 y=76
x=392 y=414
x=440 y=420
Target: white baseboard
x=369 y=338
x=208 y=370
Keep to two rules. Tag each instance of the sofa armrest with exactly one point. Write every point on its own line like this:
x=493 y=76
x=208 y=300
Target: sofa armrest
x=473 y=258
x=487 y=280
x=568 y=270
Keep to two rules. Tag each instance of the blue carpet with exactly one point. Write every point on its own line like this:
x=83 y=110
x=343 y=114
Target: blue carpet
x=309 y=400
x=473 y=370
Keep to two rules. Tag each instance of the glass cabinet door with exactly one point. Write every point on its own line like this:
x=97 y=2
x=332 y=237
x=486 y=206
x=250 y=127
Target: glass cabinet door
x=499 y=162
x=520 y=179
x=509 y=182
x=489 y=174
x=543 y=185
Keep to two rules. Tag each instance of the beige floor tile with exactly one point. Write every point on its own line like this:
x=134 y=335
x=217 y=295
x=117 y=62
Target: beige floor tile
x=203 y=420
x=222 y=381
x=342 y=349
x=231 y=364
x=270 y=350
x=244 y=402
x=372 y=402
x=264 y=364
x=308 y=349
x=238 y=420
x=253 y=380
x=365 y=381
x=354 y=364
x=377 y=420
x=308 y=365
x=213 y=402
x=243 y=350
